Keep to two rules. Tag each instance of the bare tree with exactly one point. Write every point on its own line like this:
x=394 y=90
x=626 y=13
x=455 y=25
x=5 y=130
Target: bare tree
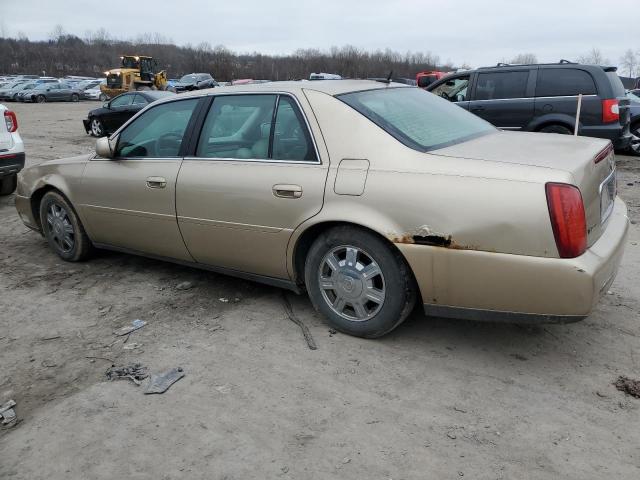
x=594 y=57
x=629 y=62
x=57 y=34
x=524 y=58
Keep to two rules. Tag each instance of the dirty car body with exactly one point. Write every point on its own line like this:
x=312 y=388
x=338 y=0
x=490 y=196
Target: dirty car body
x=369 y=196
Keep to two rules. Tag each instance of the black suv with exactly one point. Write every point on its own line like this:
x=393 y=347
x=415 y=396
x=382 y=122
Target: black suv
x=194 y=81
x=543 y=98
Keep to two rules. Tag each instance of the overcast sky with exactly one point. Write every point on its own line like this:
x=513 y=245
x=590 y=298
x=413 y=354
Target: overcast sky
x=476 y=32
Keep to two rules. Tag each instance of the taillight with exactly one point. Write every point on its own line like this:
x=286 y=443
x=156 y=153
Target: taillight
x=568 y=221
x=610 y=110
x=11 y=120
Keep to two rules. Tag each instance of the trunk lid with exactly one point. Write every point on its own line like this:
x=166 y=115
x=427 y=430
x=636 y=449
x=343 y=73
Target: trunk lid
x=574 y=155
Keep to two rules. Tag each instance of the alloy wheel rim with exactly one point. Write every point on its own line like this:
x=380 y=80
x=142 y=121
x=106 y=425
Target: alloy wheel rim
x=636 y=147
x=352 y=283
x=60 y=227
x=96 y=128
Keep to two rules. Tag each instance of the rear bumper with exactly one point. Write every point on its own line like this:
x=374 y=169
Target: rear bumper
x=11 y=163
x=619 y=136
x=501 y=287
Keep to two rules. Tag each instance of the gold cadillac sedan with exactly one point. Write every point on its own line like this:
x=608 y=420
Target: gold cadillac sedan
x=369 y=196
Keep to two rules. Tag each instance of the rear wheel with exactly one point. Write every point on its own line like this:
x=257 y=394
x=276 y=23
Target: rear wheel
x=62 y=228
x=75 y=97
x=97 y=129
x=41 y=99
x=8 y=184
x=556 y=129
x=103 y=97
x=358 y=282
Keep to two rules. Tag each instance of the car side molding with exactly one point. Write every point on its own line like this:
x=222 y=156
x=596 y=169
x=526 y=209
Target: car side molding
x=475 y=314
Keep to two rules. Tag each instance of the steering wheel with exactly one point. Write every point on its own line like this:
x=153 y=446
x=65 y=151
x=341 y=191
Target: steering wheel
x=169 y=144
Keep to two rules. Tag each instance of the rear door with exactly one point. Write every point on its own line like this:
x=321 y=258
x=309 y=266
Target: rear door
x=557 y=90
x=456 y=89
x=254 y=177
x=503 y=98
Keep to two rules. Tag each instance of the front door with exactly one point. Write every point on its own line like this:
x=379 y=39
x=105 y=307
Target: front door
x=256 y=175
x=119 y=111
x=129 y=201
x=503 y=99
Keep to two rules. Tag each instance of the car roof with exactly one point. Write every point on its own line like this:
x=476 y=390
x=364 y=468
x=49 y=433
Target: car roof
x=330 y=87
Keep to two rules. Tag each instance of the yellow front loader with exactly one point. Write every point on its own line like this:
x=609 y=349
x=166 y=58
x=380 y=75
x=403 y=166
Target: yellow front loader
x=135 y=73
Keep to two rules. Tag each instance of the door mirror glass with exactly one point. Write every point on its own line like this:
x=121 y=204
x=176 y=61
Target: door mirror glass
x=105 y=147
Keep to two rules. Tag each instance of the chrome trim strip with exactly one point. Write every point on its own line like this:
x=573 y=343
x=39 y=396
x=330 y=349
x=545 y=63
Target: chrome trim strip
x=529 y=98
x=231 y=225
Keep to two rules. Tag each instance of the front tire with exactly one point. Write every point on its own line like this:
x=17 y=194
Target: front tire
x=97 y=129
x=41 y=99
x=8 y=184
x=635 y=149
x=62 y=228
x=75 y=97
x=358 y=282
x=103 y=97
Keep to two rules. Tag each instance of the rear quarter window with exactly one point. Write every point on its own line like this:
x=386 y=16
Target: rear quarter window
x=556 y=82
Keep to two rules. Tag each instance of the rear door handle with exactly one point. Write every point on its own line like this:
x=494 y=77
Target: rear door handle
x=156 y=182
x=287 y=191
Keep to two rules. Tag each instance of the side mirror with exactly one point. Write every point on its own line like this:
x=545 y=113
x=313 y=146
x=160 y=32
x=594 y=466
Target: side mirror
x=106 y=147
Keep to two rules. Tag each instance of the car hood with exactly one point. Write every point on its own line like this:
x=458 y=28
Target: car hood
x=546 y=150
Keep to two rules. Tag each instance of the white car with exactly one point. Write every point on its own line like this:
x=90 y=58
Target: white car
x=94 y=93
x=11 y=151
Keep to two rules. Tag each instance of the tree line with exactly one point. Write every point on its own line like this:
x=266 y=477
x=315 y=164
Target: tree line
x=67 y=54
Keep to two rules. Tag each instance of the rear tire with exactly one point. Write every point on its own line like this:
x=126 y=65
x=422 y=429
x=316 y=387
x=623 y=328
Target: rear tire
x=8 y=184
x=556 y=129
x=103 y=97
x=358 y=282
x=41 y=99
x=75 y=97
x=62 y=228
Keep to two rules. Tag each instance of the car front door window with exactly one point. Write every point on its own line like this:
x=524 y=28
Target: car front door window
x=121 y=101
x=158 y=132
x=454 y=89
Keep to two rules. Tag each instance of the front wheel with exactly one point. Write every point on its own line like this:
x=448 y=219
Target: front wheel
x=97 y=129
x=359 y=282
x=41 y=99
x=103 y=97
x=8 y=184
x=634 y=149
x=75 y=97
x=62 y=228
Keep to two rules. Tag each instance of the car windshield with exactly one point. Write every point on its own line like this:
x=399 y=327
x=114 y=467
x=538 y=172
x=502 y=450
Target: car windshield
x=418 y=119
x=188 y=79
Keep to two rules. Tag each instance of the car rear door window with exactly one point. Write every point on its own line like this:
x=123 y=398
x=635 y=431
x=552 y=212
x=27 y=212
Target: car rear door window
x=500 y=85
x=291 y=139
x=157 y=132
x=555 y=82
x=139 y=100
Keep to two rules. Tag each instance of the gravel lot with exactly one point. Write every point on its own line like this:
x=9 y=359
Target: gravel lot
x=435 y=399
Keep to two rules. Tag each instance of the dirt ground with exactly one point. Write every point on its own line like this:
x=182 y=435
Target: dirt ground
x=436 y=398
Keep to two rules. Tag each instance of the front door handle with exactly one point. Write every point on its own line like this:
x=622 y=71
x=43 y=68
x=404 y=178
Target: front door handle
x=287 y=191
x=156 y=182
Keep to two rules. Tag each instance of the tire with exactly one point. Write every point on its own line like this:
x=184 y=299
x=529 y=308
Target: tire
x=635 y=149
x=8 y=184
x=62 y=228
x=75 y=97
x=96 y=127
x=343 y=299
x=15 y=97
x=41 y=99
x=556 y=129
x=103 y=97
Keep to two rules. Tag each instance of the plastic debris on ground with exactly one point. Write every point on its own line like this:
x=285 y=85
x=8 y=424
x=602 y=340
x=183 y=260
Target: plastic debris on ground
x=7 y=413
x=126 y=330
x=161 y=382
